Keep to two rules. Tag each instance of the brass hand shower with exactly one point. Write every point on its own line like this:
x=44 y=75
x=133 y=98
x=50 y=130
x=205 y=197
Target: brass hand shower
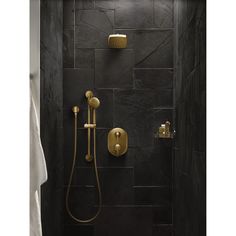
x=93 y=103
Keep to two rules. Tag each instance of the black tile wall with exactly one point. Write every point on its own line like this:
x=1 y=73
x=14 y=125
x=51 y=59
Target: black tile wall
x=135 y=88
x=124 y=221
x=153 y=48
x=51 y=109
x=113 y=68
x=164 y=230
x=153 y=78
x=134 y=14
x=190 y=96
x=75 y=230
x=164 y=13
x=165 y=56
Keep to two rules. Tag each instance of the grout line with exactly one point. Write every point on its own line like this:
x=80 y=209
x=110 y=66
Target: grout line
x=152 y=186
x=146 y=29
x=147 y=68
x=74 y=32
x=163 y=108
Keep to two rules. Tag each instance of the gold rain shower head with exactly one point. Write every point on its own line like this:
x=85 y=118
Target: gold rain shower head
x=117 y=41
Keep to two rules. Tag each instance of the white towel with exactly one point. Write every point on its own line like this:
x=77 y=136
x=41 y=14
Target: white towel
x=38 y=171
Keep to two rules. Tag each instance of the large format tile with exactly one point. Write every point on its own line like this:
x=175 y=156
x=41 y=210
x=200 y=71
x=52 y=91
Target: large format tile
x=68 y=47
x=68 y=12
x=150 y=195
x=133 y=112
x=153 y=166
x=164 y=13
x=153 y=78
x=93 y=28
x=124 y=221
x=84 y=4
x=154 y=49
x=162 y=230
x=114 y=68
x=76 y=82
x=104 y=112
x=134 y=13
x=105 y=4
x=162 y=215
x=82 y=200
x=117 y=186
x=84 y=58
x=75 y=230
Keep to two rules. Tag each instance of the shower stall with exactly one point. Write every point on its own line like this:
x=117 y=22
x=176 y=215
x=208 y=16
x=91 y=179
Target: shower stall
x=122 y=116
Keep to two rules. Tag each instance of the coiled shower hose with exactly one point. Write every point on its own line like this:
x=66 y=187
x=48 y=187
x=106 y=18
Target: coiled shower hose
x=72 y=172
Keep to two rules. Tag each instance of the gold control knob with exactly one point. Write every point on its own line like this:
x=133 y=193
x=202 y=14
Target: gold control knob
x=117 y=149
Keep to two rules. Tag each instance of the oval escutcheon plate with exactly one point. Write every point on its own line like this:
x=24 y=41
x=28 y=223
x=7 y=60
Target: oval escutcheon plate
x=117 y=142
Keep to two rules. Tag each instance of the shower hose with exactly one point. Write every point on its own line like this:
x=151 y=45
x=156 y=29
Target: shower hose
x=72 y=172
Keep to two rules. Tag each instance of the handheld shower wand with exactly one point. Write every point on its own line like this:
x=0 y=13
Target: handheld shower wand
x=93 y=104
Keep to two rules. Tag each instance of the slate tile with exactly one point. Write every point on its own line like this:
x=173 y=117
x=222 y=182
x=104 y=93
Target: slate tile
x=68 y=12
x=105 y=4
x=114 y=69
x=104 y=112
x=76 y=83
x=162 y=215
x=74 y=230
x=84 y=4
x=154 y=49
x=81 y=202
x=117 y=186
x=68 y=48
x=160 y=196
x=162 y=230
x=164 y=13
x=153 y=78
x=134 y=13
x=93 y=28
x=124 y=221
x=153 y=166
x=84 y=58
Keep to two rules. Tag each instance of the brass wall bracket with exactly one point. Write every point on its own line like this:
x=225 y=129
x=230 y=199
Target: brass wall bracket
x=117 y=142
x=164 y=131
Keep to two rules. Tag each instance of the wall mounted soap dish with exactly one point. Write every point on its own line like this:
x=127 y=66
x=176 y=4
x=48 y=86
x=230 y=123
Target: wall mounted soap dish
x=164 y=131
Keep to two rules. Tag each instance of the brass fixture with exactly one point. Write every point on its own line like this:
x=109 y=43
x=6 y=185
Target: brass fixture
x=93 y=104
x=75 y=109
x=117 y=142
x=164 y=131
x=117 y=41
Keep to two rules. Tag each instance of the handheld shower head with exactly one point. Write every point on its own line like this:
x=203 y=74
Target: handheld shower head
x=94 y=102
